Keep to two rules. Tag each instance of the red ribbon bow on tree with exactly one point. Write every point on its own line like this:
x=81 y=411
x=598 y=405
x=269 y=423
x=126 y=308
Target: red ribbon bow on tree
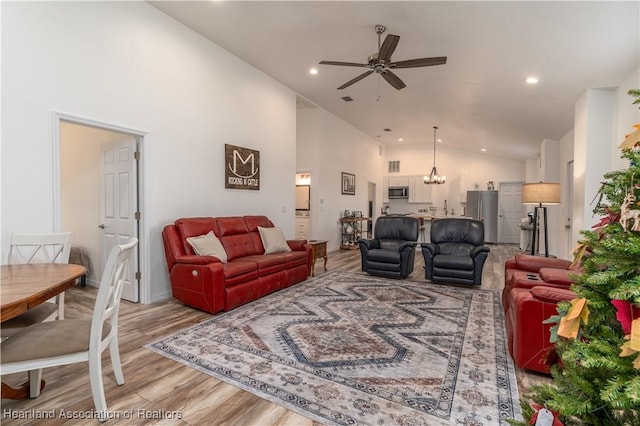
x=627 y=312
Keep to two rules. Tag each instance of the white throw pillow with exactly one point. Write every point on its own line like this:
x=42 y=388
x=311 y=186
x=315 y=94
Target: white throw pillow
x=273 y=240
x=208 y=245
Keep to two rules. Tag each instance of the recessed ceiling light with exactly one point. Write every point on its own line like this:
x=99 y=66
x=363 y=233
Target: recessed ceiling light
x=532 y=80
x=313 y=71
x=400 y=140
x=439 y=140
x=483 y=149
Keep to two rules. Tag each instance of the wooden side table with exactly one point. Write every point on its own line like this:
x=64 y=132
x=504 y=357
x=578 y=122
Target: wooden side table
x=318 y=250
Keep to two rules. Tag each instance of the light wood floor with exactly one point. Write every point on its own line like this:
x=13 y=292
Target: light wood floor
x=156 y=387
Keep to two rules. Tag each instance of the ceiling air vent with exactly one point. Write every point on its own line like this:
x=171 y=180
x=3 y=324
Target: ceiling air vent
x=387 y=129
x=394 y=166
x=347 y=98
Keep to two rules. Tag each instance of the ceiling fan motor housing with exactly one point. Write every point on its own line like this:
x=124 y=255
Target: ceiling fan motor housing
x=375 y=64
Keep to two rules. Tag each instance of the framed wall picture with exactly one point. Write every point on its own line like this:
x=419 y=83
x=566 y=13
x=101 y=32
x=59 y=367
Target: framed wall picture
x=241 y=168
x=348 y=183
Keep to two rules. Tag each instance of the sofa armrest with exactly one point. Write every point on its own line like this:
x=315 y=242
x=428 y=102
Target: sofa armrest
x=369 y=244
x=197 y=260
x=432 y=248
x=201 y=286
x=479 y=249
x=510 y=264
x=297 y=245
x=407 y=244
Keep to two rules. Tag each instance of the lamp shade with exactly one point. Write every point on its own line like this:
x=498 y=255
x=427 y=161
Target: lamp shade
x=541 y=193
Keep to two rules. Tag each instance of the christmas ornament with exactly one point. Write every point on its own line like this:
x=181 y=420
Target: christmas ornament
x=606 y=220
x=544 y=417
x=632 y=344
x=627 y=214
x=631 y=140
x=570 y=323
x=578 y=253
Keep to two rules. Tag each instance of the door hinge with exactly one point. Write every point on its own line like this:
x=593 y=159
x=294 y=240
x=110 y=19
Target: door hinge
x=137 y=216
x=136 y=155
x=138 y=275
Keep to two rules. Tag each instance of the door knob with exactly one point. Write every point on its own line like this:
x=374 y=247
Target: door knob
x=101 y=226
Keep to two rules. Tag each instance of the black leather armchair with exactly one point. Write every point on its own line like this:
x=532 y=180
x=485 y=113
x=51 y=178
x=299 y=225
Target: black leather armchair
x=456 y=253
x=392 y=250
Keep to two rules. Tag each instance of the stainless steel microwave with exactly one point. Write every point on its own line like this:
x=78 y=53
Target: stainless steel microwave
x=398 y=192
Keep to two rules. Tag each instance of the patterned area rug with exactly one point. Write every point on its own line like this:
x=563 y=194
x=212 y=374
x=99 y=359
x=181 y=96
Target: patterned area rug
x=352 y=349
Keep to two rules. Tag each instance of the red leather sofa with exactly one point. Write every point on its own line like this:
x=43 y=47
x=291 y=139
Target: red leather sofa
x=205 y=283
x=533 y=287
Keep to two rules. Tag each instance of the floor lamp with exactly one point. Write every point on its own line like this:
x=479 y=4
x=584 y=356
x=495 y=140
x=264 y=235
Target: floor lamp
x=539 y=194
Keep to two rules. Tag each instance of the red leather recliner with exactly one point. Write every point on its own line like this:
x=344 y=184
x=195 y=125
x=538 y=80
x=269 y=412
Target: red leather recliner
x=528 y=337
x=533 y=287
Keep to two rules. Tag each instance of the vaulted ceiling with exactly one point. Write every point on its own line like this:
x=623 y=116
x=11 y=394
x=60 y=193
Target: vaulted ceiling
x=479 y=99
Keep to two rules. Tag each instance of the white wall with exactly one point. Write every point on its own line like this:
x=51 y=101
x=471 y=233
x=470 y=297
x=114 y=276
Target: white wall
x=328 y=146
x=80 y=182
x=592 y=151
x=126 y=63
x=602 y=118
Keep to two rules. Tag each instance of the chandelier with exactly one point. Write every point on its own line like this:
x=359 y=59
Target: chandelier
x=434 y=177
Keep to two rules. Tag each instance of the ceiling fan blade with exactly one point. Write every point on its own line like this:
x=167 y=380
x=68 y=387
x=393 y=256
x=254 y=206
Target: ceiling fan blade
x=422 y=62
x=355 y=80
x=393 y=79
x=388 y=47
x=344 y=64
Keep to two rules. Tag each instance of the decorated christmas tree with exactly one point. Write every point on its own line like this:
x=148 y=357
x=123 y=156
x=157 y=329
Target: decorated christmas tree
x=596 y=379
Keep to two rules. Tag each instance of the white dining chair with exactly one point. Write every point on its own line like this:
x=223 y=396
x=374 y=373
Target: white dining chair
x=54 y=343
x=37 y=248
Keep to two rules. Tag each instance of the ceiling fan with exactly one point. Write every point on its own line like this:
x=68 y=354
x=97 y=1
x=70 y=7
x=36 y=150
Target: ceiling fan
x=380 y=62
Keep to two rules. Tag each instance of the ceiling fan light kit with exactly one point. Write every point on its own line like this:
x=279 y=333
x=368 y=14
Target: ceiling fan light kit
x=380 y=62
x=434 y=177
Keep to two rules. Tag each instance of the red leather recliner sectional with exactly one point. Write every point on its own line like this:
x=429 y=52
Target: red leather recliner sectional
x=533 y=287
x=205 y=283
x=528 y=271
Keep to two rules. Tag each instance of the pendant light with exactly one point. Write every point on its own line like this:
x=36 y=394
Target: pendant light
x=434 y=177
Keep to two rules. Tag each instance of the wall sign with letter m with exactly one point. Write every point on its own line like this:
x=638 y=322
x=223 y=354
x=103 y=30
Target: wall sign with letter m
x=242 y=168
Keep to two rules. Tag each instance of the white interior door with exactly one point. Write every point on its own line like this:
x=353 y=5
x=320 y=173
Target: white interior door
x=569 y=209
x=511 y=212
x=119 y=204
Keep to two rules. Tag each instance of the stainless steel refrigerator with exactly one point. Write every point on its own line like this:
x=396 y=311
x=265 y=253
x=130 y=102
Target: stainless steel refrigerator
x=483 y=206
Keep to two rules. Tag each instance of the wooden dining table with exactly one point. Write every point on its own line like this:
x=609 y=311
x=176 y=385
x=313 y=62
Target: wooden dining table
x=22 y=287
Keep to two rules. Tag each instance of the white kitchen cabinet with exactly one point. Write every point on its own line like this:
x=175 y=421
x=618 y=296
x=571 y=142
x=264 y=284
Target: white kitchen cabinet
x=398 y=180
x=419 y=192
x=458 y=190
